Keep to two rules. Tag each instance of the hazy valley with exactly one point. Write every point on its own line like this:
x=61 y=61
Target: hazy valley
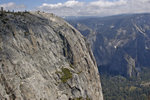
x=121 y=46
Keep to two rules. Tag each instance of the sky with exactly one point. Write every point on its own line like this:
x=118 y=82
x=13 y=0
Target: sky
x=79 y=7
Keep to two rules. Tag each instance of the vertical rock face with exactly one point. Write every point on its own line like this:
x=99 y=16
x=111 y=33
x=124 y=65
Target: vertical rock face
x=44 y=58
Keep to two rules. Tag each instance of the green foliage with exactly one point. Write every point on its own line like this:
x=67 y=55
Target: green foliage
x=1 y=49
x=79 y=72
x=71 y=66
x=66 y=74
x=121 y=88
x=80 y=98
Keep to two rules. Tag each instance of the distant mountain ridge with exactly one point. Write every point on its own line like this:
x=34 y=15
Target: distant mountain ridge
x=121 y=43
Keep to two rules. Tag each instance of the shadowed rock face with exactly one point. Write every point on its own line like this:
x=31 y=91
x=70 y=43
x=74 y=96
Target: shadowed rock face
x=44 y=58
x=121 y=44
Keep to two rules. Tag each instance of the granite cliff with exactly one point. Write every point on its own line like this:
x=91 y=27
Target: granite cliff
x=42 y=57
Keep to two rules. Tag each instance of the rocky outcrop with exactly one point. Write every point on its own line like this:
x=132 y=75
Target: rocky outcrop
x=44 y=58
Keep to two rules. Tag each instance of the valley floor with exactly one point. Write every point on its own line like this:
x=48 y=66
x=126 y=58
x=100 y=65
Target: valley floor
x=120 y=88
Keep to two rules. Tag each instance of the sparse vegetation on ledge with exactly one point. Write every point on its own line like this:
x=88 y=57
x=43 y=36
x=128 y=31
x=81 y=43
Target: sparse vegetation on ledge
x=80 y=98
x=66 y=75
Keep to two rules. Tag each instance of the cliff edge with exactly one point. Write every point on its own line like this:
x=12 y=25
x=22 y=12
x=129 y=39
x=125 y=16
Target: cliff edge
x=42 y=57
